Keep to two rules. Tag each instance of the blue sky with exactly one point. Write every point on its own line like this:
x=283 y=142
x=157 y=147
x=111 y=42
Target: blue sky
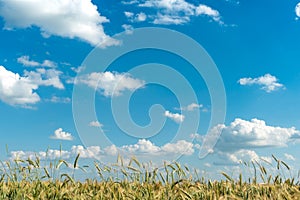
x=50 y=48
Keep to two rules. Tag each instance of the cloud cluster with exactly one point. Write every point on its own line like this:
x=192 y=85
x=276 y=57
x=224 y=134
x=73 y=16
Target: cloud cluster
x=20 y=90
x=89 y=152
x=142 y=146
x=50 y=154
x=95 y=124
x=253 y=134
x=110 y=83
x=239 y=140
x=45 y=77
x=127 y=28
x=191 y=107
x=25 y=60
x=55 y=99
x=140 y=17
x=175 y=11
x=237 y=157
x=68 y=18
x=176 y=117
x=59 y=134
x=237 y=143
x=267 y=82
x=180 y=147
x=95 y=152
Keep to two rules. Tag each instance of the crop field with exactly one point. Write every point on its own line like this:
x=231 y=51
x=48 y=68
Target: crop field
x=28 y=179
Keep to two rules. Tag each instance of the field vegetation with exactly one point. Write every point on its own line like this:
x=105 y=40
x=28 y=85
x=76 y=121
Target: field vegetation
x=28 y=179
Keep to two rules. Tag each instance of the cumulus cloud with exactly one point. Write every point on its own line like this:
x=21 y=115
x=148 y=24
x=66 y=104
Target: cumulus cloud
x=297 y=10
x=110 y=83
x=206 y=10
x=89 y=152
x=59 y=134
x=170 y=19
x=253 y=134
x=267 y=82
x=50 y=154
x=237 y=157
x=93 y=152
x=130 y=2
x=170 y=6
x=191 y=107
x=111 y=150
x=143 y=146
x=239 y=140
x=178 y=11
x=128 y=28
x=25 y=60
x=45 y=77
x=55 y=99
x=78 y=69
x=181 y=147
x=17 y=90
x=139 y=17
x=21 y=90
x=95 y=124
x=178 y=118
x=128 y=14
x=68 y=18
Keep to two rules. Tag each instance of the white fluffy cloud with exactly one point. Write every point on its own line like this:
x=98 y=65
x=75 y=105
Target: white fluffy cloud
x=67 y=18
x=170 y=19
x=147 y=147
x=253 y=134
x=139 y=17
x=55 y=99
x=191 y=107
x=180 y=147
x=59 y=134
x=170 y=6
x=95 y=152
x=89 y=152
x=206 y=10
x=25 y=60
x=297 y=10
x=50 y=154
x=142 y=146
x=179 y=11
x=237 y=157
x=128 y=28
x=178 y=118
x=267 y=82
x=238 y=141
x=111 y=150
x=17 y=90
x=110 y=83
x=20 y=90
x=128 y=14
x=45 y=77
x=95 y=124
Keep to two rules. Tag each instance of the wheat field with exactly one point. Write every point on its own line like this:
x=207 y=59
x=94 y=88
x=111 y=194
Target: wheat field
x=28 y=179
